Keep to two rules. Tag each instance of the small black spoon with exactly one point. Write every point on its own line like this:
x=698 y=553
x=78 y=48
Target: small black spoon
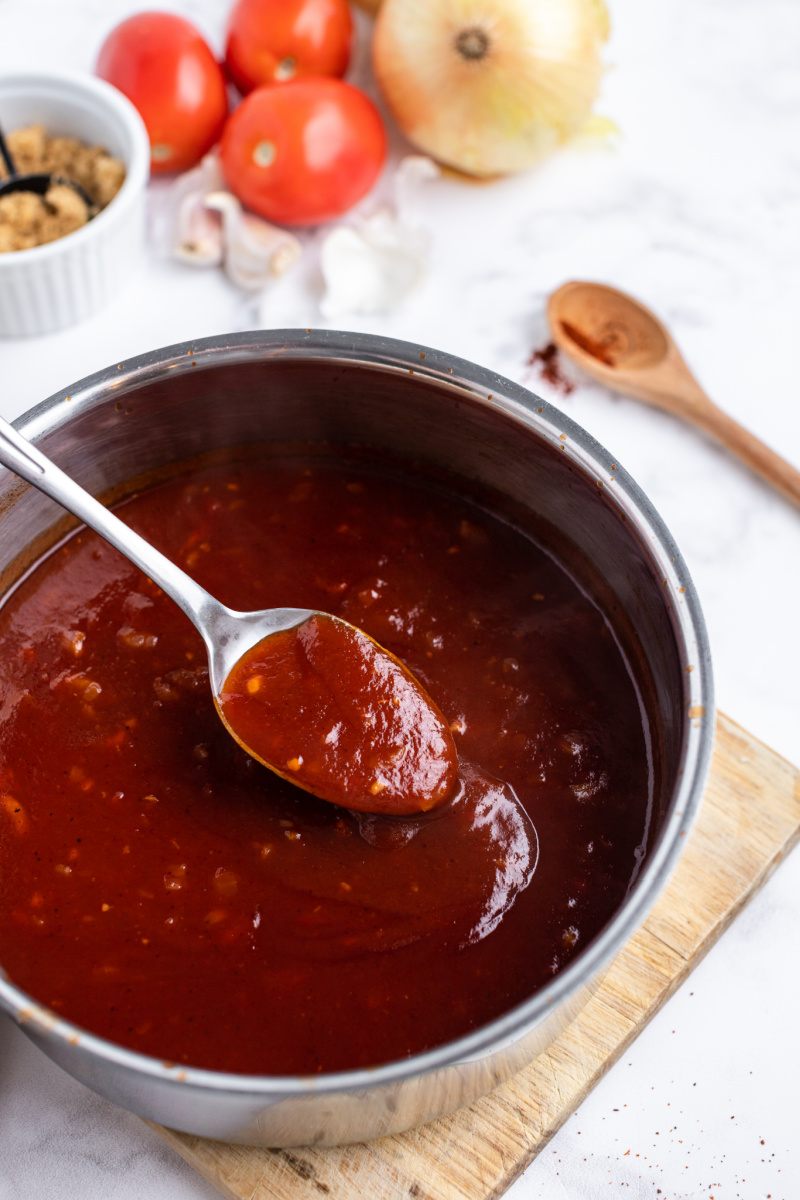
x=38 y=183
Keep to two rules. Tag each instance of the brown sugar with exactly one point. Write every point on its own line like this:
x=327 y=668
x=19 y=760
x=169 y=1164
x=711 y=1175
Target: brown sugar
x=28 y=220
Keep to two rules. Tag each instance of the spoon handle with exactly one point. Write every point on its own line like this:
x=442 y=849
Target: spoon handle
x=22 y=457
x=5 y=154
x=747 y=447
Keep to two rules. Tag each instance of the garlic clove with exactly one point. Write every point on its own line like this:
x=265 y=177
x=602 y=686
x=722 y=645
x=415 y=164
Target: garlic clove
x=255 y=252
x=198 y=233
x=205 y=177
x=184 y=228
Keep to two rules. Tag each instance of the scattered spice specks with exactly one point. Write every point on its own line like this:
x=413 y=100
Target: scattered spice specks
x=548 y=364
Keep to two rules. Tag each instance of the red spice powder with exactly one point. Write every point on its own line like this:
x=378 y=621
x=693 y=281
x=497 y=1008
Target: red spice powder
x=599 y=350
x=548 y=365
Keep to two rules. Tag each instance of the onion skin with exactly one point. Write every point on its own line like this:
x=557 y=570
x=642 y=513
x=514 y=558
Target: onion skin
x=490 y=87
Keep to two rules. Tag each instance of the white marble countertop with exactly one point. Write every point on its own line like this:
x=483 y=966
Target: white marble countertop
x=696 y=212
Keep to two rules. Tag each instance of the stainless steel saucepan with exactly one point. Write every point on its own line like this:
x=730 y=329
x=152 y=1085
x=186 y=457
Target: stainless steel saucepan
x=132 y=421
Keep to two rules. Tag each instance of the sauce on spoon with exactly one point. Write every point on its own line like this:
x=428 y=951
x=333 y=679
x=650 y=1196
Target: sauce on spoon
x=326 y=707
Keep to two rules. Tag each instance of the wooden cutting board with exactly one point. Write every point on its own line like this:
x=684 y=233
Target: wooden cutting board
x=749 y=820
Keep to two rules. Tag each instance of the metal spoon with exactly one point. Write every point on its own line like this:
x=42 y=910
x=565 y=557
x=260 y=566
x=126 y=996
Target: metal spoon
x=416 y=779
x=39 y=183
x=623 y=345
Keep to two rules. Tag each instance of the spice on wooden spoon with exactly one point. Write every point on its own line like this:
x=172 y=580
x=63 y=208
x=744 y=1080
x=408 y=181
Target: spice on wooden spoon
x=622 y=344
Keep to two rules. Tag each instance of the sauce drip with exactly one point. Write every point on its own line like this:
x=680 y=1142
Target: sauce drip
x=327 y=708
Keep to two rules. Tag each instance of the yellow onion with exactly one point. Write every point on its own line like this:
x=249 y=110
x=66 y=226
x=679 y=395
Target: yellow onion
x=490 y=86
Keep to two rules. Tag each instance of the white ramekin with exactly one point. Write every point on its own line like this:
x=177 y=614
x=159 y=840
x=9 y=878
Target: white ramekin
x=53 y=286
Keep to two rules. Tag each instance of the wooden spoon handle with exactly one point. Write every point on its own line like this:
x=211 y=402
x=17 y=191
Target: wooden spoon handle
x=746 y=446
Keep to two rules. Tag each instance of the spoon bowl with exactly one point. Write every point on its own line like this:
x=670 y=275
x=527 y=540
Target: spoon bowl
x=622 y=344
x=609 y=326
x=40 y=185
x=282 y=677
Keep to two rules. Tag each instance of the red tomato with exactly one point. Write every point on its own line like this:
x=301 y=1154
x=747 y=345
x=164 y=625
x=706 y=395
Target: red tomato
x=304 y=152
x=164 y=67
x=272 y=41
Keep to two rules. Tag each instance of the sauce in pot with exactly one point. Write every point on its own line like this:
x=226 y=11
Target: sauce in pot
x=164 y=890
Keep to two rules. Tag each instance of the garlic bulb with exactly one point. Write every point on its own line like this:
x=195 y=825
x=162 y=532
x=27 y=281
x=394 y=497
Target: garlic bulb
x=490 y=86
x=372 y=265
x=369 y=269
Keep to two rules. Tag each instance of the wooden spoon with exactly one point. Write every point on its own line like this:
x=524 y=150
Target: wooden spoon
x=622 y=344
